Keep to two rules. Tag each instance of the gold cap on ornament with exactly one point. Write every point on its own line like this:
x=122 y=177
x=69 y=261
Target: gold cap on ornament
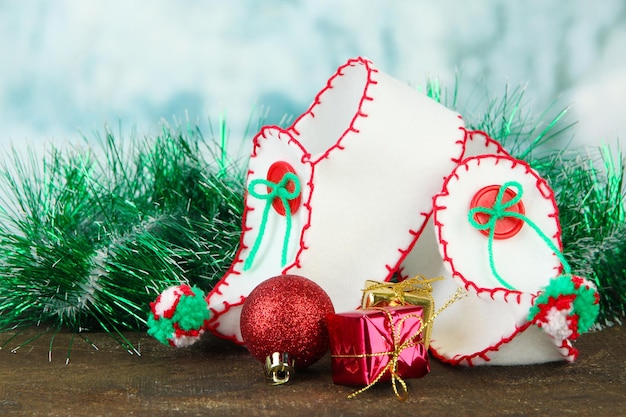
x=278 y=368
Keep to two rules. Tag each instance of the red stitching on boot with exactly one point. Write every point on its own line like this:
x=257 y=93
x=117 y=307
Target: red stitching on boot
x=445 y=193
x=566 y=349
x=468 y=359
x=293 y=132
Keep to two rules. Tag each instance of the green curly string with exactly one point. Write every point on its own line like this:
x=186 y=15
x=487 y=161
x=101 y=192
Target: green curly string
x=275 y=190
x=497 y=212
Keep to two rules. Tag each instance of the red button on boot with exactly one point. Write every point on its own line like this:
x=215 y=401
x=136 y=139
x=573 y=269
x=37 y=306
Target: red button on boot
x=505 y=227
x=275 y=174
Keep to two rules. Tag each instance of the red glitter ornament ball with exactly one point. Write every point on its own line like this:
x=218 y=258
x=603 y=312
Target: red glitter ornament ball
x=287 y=314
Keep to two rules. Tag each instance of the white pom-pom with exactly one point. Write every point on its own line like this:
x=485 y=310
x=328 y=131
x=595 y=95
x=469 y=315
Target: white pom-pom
x=558 y=323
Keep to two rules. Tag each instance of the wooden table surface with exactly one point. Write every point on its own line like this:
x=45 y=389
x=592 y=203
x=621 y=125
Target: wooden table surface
x=217 y=378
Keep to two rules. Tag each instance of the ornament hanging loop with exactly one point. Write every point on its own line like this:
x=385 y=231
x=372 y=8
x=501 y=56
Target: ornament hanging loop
x=278 y=368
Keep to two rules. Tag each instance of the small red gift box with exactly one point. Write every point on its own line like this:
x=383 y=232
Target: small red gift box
x=364 y=343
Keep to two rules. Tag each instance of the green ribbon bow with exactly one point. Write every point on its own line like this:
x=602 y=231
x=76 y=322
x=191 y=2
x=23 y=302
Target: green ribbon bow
x=499 y=211
x=274 y=190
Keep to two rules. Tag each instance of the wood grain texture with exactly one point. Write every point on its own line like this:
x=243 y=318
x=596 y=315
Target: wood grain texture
x=218 y=378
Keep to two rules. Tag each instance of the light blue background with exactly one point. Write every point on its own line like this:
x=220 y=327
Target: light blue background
x=70 y=66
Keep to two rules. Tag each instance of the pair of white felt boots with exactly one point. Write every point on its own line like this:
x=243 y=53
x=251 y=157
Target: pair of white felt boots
x=377 y=179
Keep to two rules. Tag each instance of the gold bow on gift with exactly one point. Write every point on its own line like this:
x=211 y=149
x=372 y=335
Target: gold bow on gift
x=413 y=291
x=396 y=333
x=397 y=347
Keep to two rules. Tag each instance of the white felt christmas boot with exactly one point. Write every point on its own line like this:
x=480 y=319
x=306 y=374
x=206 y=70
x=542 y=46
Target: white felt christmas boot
x=341 y=195
x=495 y=232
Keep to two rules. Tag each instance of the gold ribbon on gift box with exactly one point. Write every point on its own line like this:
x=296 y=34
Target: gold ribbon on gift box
x=397 y=347
x=415 y=291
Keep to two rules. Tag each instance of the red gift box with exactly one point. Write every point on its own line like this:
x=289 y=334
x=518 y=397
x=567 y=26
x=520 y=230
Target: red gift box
x=364 y=343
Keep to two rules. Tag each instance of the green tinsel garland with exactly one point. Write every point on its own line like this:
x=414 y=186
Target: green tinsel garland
x=590 y=196
x=89 y=239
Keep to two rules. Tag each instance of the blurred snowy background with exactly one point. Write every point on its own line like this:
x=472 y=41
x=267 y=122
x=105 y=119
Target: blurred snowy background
x=72 y=66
